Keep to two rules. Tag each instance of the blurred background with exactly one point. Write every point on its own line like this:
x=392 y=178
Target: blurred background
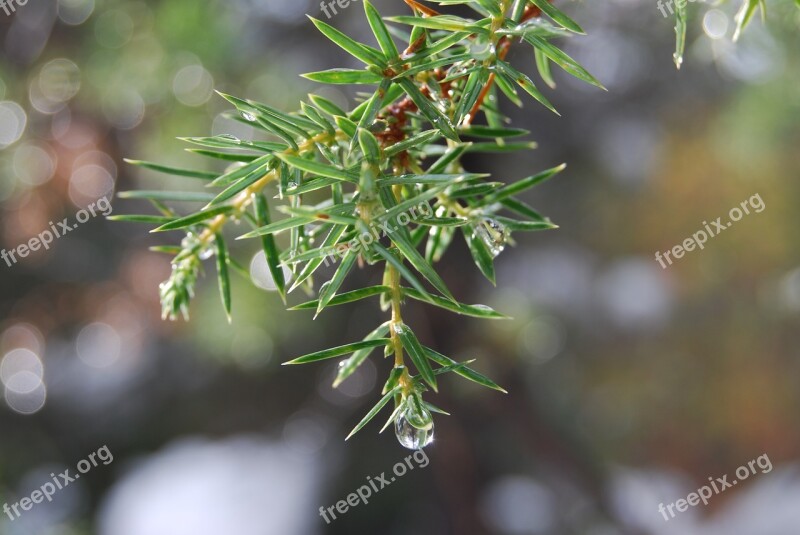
x=629 y=385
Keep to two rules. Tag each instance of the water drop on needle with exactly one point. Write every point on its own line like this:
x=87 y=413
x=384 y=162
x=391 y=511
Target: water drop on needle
x=493 y=234
x=414 y=428
x=231 y=138
x=411 y=437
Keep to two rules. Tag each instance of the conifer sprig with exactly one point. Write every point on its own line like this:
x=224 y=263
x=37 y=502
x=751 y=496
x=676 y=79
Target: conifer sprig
x=336 y=186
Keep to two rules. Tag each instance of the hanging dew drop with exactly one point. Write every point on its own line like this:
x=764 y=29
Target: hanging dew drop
x=481 y=51
x=493 y=234
x=192 y=242
x=410 y=436
x=205 y=253
x=230 y=137
x=414 y=425
x=249 y=116
x=189 y=241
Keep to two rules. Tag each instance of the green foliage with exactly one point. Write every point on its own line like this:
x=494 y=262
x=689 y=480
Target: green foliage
x=351 y=186
x=743 y=17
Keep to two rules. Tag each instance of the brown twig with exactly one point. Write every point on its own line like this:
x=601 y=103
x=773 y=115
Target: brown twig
x=425 y=10
x=503 y=47
x=395 y=114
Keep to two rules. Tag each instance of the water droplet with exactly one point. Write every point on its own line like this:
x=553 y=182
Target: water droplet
x=414 y=425
x=481 y=51
x=411 y=437
x=249 y=116
x=189 y=241
x=192 y=242
x=492 y=233
x=230 y=137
